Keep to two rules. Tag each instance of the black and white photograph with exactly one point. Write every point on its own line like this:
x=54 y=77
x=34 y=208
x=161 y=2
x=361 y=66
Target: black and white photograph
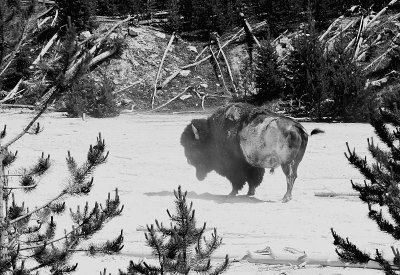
x=199 y=137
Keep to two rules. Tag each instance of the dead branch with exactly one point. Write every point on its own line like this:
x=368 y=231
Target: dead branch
x=321 y=38
x=350 y=44
x=169 y=78
x=219 y=69
x=45 y=49
x=159 y=69
x=215 y=36
x=43 y=21
x=349 y=25
x=72 y=68
x=248 y=30
x=54 y=19
x=102 y=56
x=44 y=13
x=379 y=58
x=360 y=38
x=203 y=98
x=382 y=11
x=128 y=87
x=201 y=53
x=169 y=101
x=233 y=38
x=12 y=93
x=279 y=37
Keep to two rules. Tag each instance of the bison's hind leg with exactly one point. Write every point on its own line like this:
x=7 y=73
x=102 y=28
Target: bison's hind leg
x=291 y=175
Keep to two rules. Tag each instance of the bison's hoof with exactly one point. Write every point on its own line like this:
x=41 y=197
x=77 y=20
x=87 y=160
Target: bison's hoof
x=286 y=198
x=233 y=193
x=251 y=192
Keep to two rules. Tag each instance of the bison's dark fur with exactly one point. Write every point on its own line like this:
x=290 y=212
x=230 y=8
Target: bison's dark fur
x=215 y=144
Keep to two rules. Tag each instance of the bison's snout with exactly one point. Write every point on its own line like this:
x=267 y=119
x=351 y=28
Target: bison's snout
x=201 y=175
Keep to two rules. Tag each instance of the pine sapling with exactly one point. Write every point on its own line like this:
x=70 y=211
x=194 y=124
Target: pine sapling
x=380 y=190
x=180 y=248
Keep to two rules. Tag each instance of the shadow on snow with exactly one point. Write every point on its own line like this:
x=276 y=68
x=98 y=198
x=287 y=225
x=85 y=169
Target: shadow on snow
x=212 y=197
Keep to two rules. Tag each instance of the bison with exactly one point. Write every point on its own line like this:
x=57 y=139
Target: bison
x=239 y=141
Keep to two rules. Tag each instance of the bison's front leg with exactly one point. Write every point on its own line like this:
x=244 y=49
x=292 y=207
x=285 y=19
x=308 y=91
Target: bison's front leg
x=234 y=192
x=237 y=184
x=254 y=178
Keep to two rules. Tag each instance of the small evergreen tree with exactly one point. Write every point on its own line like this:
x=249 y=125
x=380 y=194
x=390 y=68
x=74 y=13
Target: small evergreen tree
x=381 y=191
x=81 y=13
x=95 y=98
x=306 y=71
x=28 y=238
x=182 y=247
x=269 y=82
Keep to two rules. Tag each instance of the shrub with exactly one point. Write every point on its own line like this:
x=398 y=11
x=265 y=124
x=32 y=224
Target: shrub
x=329 y=84
x=346 y=86
x=305 y=75
x=269 y=82
x=93 y=98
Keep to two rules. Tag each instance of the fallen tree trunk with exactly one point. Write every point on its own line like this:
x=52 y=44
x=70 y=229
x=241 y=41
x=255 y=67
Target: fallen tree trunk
x=159 y=69
x=169 y=101
x=288 y=259
x=335 y=194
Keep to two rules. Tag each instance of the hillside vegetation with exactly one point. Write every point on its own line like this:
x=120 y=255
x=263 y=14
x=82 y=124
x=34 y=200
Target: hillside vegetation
x=331 y=60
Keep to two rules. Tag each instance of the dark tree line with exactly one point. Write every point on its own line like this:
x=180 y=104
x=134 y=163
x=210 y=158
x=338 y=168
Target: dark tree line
x=221 y=15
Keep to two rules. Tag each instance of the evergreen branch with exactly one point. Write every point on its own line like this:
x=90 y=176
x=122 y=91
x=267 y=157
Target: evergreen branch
x=381 y=156
x=141 y=268
x=109 y=247
x=37 y=209
x=384 y=224
x=370 y=193
x=222 y=267
x=28 y=127
x=360 y=164
x=381 y=130
x=9 y=158
x=347 y=251
x=386 y=266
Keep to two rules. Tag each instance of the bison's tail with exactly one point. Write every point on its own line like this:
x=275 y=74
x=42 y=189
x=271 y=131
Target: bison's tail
x=316 y=131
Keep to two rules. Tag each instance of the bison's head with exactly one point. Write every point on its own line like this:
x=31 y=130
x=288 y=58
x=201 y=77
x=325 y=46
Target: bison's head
x=195 y=140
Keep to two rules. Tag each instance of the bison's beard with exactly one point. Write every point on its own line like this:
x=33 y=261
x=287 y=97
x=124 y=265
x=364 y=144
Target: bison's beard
x=200 y=174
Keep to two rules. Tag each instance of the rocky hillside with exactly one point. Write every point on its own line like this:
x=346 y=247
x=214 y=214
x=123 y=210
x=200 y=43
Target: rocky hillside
x=134 y=72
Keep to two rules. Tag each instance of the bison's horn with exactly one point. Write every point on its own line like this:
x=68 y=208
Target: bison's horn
x=195 y=132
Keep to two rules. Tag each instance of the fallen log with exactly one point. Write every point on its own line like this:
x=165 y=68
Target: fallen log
x=334 y=194
x=160 y=67
x=215 y=36
x=128 y=87
x=45 y=49
x=321 y=38
x=248 y=30
x=102 y=56
x=219 y=69
x=169 y=101
x=302 y=260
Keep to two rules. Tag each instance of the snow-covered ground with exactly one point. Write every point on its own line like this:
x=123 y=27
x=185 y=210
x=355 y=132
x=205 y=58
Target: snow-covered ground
x=147 y=163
